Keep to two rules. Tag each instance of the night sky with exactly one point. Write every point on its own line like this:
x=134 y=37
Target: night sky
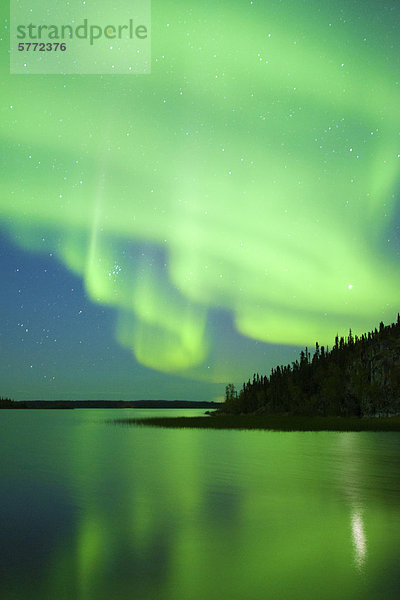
x=164 y=234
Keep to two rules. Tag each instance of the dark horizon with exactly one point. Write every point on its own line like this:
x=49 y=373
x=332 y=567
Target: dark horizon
x=35 y=404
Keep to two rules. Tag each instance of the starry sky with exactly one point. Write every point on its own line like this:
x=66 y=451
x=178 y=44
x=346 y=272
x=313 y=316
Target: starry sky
x=164 y=234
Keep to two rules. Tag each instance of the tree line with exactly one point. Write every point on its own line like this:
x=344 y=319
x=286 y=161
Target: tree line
x=7 y=403
x=358 y=376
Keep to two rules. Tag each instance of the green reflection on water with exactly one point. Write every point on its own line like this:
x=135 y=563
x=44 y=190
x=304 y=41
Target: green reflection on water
x=204 y=514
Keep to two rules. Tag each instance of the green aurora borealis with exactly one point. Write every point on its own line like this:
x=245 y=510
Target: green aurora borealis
x=254 y=172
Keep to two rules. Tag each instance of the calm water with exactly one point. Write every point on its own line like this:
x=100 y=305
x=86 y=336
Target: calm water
x=93 y=511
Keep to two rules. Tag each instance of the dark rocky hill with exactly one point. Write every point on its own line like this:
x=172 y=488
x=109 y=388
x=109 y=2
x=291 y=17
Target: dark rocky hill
x=358 y=376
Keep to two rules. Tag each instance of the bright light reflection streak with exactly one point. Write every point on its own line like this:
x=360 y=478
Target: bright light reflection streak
x=359 y=539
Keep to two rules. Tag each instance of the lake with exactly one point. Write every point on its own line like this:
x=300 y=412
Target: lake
x=91 y=510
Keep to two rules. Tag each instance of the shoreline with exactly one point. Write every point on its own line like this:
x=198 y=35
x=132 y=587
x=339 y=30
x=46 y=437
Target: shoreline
x=270 y=423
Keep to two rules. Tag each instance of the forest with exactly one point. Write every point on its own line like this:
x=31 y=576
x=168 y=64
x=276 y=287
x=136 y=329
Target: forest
x=359 y=376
